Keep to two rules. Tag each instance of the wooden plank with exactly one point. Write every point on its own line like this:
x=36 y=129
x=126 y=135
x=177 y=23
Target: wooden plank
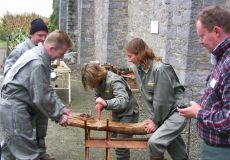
x=100 y=143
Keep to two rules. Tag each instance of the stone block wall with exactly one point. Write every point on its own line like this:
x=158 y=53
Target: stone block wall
x=72 y=20
x=100 y=28
x=87 y=44
x=62 y=14
x=117 y=31
x=198 y=59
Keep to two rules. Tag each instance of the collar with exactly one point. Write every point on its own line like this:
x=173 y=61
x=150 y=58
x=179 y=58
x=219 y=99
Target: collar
x=29 y=42
x=213 y=60
x=44 y=53
x=140 y=68
x=221 y=48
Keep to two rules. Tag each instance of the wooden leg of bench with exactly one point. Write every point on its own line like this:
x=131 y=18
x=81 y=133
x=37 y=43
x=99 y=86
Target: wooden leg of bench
x=107 y=154
x=86 y=153
x=87 y=137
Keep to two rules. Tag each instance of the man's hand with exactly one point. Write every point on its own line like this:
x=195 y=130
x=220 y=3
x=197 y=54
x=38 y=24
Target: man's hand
x=149 y=126
x=191 y=111
x=67 y=115
x=67 y=111
x=65 y=121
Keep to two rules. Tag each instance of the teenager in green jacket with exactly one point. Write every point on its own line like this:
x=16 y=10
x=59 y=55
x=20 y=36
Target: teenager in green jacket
x=114 y=94
x=162 y=92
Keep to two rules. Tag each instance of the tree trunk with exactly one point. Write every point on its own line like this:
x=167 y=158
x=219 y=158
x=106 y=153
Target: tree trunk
x=86 y=121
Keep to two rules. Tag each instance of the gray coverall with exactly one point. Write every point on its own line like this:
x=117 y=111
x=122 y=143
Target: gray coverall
x=41 y=123
x=16 y=53
x=25 y=93
x=162 y=92
x=115 y=90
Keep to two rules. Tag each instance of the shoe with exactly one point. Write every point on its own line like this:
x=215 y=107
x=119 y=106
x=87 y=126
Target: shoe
x=47 y=157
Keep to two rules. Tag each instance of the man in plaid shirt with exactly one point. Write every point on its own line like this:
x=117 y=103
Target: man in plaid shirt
x=213 y=121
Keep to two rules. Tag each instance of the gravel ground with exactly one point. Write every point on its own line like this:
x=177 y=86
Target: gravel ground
x=67 y=143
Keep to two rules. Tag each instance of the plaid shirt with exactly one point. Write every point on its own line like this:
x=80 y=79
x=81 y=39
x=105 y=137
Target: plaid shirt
x=213 y=121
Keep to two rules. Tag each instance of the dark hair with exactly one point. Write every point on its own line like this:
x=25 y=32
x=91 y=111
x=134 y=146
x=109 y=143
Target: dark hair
x=92 y=75
x=215 y=16
x=138 y=46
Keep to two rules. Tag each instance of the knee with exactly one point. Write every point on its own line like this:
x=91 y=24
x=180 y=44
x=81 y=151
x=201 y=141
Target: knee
x=152 y=145
x=155 y=149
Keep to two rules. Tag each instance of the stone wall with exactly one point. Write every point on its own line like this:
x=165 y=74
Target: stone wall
x=117 y=31
x=100 y=28
x=172 y=40
x=72 y=19
x=198 y=59
x=62 y=14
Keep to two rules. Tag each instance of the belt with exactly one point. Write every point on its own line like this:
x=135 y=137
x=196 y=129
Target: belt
x=218 y=145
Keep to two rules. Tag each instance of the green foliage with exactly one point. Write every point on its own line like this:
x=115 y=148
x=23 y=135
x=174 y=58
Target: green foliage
x=53 y=22
x=2 y=44
x=17 y=26
x=17 y=36
x=9 y=22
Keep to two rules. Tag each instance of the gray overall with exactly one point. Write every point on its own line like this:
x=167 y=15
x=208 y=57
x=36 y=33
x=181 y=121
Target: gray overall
x=40 y=126
x=26 y=96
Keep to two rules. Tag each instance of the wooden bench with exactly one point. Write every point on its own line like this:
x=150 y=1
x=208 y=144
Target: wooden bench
x=108 y=142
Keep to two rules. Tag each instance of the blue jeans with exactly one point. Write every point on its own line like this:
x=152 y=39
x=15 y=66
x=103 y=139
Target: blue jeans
x=215 y=153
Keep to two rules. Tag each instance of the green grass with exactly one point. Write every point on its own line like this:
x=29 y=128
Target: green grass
x=2 y=44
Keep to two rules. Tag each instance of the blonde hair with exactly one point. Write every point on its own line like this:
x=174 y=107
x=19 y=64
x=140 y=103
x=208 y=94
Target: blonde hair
x=92 y=75
x=138 y=46
x=59 y=39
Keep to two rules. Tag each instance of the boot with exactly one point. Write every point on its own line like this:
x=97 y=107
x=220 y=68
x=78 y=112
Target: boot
x=157 y=158
x=47 y=157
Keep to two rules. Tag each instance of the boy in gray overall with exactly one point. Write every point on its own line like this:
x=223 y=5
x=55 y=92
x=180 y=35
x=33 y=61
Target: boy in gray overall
x=38 y=33
x=25 y=93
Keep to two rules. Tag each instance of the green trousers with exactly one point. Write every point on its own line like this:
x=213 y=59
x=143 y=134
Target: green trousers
x=167 y=137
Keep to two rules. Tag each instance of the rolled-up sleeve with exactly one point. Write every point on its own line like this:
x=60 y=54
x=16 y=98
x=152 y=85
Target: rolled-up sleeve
x=43 y=96
x=121 y=97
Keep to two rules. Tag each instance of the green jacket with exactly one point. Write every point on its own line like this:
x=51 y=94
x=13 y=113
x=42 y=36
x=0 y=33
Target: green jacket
x=117 y=93
x=160 y=89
